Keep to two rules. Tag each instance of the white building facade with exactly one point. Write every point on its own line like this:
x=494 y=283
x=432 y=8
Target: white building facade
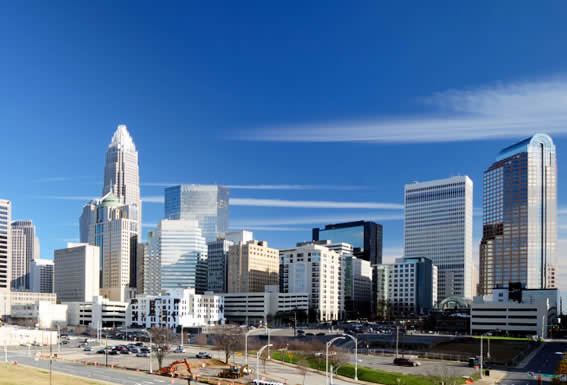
x=98 y=313
x=438 y=226
x=76 y=268
x=180 y=307
x=41 y=314
x=313 y=269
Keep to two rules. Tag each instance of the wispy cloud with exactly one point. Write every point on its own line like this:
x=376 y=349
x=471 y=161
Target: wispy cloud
x=53 y=179
x=271 y=186
x=244 y=223
x=67 y=197
x=501 y=111
x=296 y=204
x=272 y=228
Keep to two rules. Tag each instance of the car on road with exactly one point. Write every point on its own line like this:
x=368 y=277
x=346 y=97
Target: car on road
x=204 y=355
x=179 y=349
x=309 y=334
x=320 y=334
x=405 y=362
x=65 y=342
x=300 y=332
x=143 y=354
x=88 y=349
x=101 y=351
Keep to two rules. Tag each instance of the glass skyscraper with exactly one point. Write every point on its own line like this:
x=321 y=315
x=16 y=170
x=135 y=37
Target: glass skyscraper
x=438 y=226
x=519 y=235
x=208 y=204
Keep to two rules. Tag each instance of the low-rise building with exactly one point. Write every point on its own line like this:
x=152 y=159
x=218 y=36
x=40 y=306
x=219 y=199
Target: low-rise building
x=515 y=311
x=178 y=307
x=41 y=314
x=100 y=313
x=255 y=308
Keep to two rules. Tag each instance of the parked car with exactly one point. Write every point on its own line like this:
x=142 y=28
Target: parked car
x=143 y=354
x=203 y=355
x=134 y=350
x=124 y=351
x=300 y=332
x=320 y=334
x=101 y=351
x=405 y=362
x=145 y=350
x=113 y=352
x=309 y=334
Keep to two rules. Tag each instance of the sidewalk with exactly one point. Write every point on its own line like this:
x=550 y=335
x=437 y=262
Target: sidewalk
x=529 y=357
x=495 y=377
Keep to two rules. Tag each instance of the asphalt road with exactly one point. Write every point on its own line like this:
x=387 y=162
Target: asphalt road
x=545 y=362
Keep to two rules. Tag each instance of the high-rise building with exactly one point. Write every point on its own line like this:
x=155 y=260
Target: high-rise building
x=356 y=282
x=5 y=256
x=114 y=230
x=180 y=251
x=41 y=276
x=407 y=287
x=121 y=173
x=217 y=264
x=207 y=204
x=365 y=238
x=519 y=234
x=252 y=265
x=313 y=269
x=75 y=272
x=24 y=251
x=438 y=226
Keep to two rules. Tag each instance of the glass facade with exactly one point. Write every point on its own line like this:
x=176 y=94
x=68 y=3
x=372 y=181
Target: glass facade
x=207 y=204
x=520 y=217
x=438 y=226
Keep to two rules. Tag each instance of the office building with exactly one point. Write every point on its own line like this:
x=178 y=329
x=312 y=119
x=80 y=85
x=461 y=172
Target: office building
x=356 y=284
x=179 y=307
x=115 y=231
x=519 y=235
x=42 y=273
x=252 y=265
x=97 y=313
x=207 y=204
x=365 y=238
x=76 y=277
x=313 y=269
x=218 y=265
x=438 y=226
x=181 y=250
x=407 y=287
x=5 y=256
x=25 y=249
x=121 y=172
x=41 y=314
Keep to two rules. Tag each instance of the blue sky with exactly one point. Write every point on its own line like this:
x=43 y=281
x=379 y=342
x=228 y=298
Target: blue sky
x=336 y=105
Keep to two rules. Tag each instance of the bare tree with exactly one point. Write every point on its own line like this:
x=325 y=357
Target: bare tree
x=161 y=338
x=228 y=338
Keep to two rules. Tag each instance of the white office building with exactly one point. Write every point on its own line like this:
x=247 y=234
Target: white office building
x=178 y=307
x=313 y=269
x=438 y=226
x=356 y=287
x=256 y=307
x=25 y=249
x=41 y=277
x=76 y=268
x=41 y=314
x=407 y=287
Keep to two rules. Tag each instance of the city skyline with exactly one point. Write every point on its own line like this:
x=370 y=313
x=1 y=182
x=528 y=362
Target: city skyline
x=368 y=107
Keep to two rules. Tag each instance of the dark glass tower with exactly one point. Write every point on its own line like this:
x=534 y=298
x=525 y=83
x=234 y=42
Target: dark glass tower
x=519 y=237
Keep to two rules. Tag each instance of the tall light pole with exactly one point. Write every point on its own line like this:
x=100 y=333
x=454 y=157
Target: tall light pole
x=246 y=342
x=327 y=357
x=258 y=360
x=355 y=355
x=58 y=338
x=151 y=352
x=481 y=356
x=181 y=335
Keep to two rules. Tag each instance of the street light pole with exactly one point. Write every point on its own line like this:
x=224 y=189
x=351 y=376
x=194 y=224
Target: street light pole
x=481 y=356
x=355 y=355
x=181 y=335
x=151 y=352
x=327 y=357
x=246 y=343
x=258 y=360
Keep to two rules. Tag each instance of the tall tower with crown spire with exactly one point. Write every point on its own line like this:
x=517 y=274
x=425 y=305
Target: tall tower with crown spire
x=121 y=171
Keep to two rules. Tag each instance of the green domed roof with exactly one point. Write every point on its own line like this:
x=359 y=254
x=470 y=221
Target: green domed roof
x=110 y=200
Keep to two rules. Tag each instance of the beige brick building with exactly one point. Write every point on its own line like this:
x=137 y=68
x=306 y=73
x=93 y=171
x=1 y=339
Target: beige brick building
x=251 y=266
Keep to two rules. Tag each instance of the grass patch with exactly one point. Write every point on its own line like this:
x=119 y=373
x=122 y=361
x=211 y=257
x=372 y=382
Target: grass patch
x=365 y=374
x=22 y=375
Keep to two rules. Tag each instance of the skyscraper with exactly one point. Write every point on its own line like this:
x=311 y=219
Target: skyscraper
x=438 y=226
x=519 y=234
x=252 y=266
x=41 y=276
x=365 y=238
x=180 y=251
x=5 y=255
x=25 y=235
x=121 y=173
x=207 y=204
x=75 y=275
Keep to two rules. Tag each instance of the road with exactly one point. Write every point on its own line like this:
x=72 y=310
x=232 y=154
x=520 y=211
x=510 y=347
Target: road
x=545 y=362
